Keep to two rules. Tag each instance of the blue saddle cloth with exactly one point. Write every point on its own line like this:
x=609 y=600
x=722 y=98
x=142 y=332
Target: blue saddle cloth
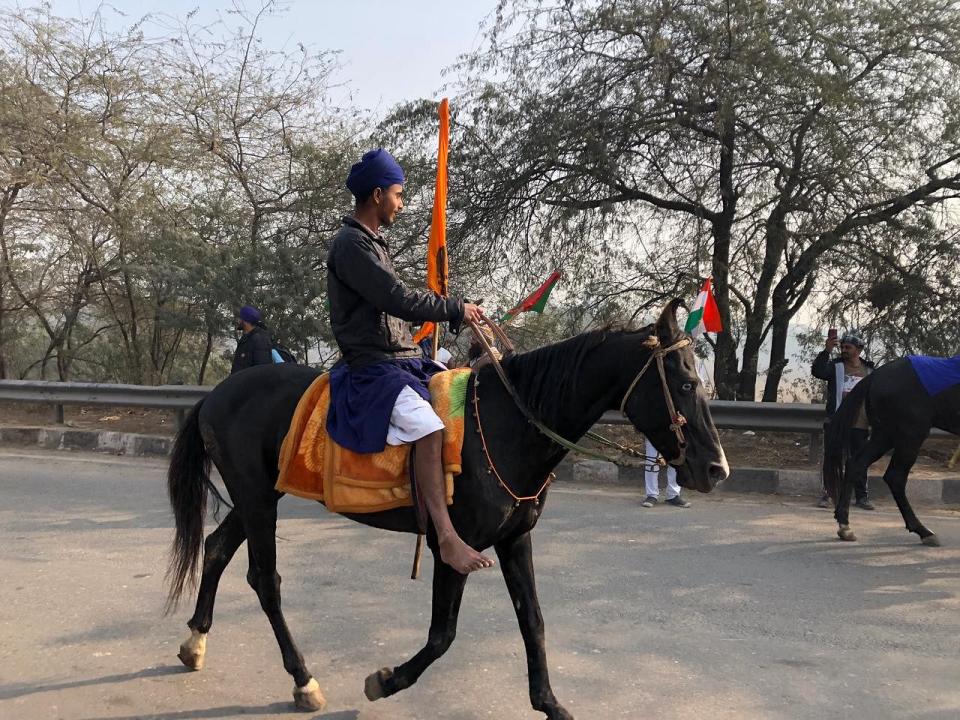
x=362 y=400
x=936 y=373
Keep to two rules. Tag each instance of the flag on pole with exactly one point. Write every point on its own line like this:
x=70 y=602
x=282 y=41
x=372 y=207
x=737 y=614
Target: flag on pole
x=437 y=267
x=705 y=316
x=536 y=301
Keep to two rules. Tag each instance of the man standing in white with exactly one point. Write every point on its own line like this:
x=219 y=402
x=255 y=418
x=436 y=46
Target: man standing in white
x=704 y=317
x=652 y=478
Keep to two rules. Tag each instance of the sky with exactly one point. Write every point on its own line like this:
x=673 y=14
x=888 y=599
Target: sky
x=391 y=50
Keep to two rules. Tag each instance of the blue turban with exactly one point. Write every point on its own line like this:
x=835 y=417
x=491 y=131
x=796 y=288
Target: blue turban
x=248 y=313
x=376 y=169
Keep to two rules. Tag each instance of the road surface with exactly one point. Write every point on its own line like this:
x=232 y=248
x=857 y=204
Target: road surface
x=740 y=607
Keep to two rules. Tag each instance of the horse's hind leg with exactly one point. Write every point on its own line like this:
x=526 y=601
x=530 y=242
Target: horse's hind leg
x=904 y=456
x=448 y=587
x=218 y=550
x=857 y=466
x=261 y=529
x=516 y=563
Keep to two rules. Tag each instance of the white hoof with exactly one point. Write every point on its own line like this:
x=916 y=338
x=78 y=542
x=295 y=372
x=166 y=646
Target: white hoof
x=193 y=650
x=309 y=697
x=845 y=533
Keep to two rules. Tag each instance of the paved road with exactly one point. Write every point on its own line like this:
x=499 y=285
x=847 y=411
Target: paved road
x=736 y=608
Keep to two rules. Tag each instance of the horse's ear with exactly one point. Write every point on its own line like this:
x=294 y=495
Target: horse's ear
x=667 y=327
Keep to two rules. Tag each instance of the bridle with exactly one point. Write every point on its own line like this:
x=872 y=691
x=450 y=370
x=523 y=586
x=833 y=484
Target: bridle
x=677 y=421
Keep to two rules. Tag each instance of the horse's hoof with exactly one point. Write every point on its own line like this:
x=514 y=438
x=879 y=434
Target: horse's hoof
x=193 y=650
x=845 y=533
x=931 y=541
x=559 y=714
x=373 y=687
x=309 y=697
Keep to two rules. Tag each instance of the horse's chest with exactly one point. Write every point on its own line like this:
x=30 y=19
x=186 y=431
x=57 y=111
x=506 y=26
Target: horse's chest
x=523 y=518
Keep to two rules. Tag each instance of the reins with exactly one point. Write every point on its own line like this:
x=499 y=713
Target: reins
x=657 y=354
x=518 y=401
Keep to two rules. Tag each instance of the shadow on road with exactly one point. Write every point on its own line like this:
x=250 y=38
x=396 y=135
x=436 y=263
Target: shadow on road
x=229 y=711
x=226 y=711
x=19 y=690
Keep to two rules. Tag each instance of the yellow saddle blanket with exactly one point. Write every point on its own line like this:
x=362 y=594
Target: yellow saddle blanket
x=313 y=466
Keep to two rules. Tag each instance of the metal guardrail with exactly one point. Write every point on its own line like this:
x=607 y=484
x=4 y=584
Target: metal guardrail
x=768 y=417
x=169 y=397
x=727 y=414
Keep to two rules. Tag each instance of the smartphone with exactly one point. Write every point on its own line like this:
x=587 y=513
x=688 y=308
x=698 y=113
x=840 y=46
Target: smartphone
x=832 y=334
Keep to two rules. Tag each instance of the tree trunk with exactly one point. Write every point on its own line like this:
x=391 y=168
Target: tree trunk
x=788 y=297
x=207 y=348
x=778 y=357
x=725 y=353
x=3 y=357
x=756 y=316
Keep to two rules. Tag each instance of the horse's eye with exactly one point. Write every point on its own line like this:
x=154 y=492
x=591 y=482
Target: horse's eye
x=687 y=387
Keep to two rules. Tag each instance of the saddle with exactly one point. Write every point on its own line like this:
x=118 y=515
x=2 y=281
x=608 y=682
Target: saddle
x=313 y=466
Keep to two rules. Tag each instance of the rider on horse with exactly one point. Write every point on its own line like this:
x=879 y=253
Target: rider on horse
x=378 y=393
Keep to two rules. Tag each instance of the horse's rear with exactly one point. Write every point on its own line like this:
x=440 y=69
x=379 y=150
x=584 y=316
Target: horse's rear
x=900 y=414
x=240 y=427
x=249 y=413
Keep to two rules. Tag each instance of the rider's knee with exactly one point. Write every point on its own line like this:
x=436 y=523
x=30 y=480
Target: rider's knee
x=433 y=440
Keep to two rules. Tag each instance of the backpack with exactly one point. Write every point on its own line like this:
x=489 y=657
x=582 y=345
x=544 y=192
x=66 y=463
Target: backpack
x=281 y=354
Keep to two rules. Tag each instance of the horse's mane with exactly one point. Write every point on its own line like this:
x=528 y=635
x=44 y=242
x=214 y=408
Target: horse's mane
x=547 y=378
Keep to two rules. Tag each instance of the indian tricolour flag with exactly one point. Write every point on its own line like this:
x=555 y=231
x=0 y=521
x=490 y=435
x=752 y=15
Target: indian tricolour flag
x=705 y=316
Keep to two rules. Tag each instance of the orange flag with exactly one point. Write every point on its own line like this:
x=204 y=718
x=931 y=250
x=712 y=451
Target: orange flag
x=437 y=246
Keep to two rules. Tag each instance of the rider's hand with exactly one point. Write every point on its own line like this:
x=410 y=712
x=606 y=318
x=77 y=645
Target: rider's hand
x=471 y=312
x=831 y=342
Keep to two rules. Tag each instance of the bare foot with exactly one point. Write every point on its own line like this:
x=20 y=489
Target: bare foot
x=460 y=556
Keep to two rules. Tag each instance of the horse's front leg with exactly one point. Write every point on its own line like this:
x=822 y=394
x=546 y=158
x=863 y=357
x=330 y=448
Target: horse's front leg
x=448 y=587
x=516 y=562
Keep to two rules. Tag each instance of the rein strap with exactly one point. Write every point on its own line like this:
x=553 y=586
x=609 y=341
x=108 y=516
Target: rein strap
x=653 y=342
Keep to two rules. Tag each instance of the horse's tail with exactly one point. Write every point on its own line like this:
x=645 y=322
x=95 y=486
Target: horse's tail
x=836 y=442
x=188 y=481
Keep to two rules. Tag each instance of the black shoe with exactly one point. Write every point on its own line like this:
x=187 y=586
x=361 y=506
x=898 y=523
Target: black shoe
x=649 y=501
x=678 y=502
x=865 y=504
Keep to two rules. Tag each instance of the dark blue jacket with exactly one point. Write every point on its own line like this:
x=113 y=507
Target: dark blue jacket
x=254 y=348
x=370 y=307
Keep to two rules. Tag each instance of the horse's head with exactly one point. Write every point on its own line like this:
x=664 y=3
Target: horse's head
x=684 y=433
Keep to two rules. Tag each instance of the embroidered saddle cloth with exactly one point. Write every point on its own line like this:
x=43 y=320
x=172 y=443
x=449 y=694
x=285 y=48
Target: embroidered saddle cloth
x=313 y=466
x=936 y=373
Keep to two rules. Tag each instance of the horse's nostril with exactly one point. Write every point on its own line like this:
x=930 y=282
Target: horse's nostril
x=718 y=472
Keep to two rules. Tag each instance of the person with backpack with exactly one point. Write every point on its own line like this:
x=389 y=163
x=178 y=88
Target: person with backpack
x=255 y=346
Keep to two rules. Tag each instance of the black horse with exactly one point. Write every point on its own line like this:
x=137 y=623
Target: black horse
x=900 y=413
x=240 y=426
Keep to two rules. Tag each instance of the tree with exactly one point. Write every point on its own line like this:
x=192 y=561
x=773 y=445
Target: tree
x=152 y=185
x=765 y=136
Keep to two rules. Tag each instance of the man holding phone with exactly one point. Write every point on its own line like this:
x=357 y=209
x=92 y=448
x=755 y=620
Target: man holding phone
x=842 y=375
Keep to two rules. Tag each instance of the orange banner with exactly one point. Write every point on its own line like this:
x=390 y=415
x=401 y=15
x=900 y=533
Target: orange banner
x=437 y=266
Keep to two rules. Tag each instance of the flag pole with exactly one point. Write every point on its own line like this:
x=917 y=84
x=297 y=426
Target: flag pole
x=436 y=263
